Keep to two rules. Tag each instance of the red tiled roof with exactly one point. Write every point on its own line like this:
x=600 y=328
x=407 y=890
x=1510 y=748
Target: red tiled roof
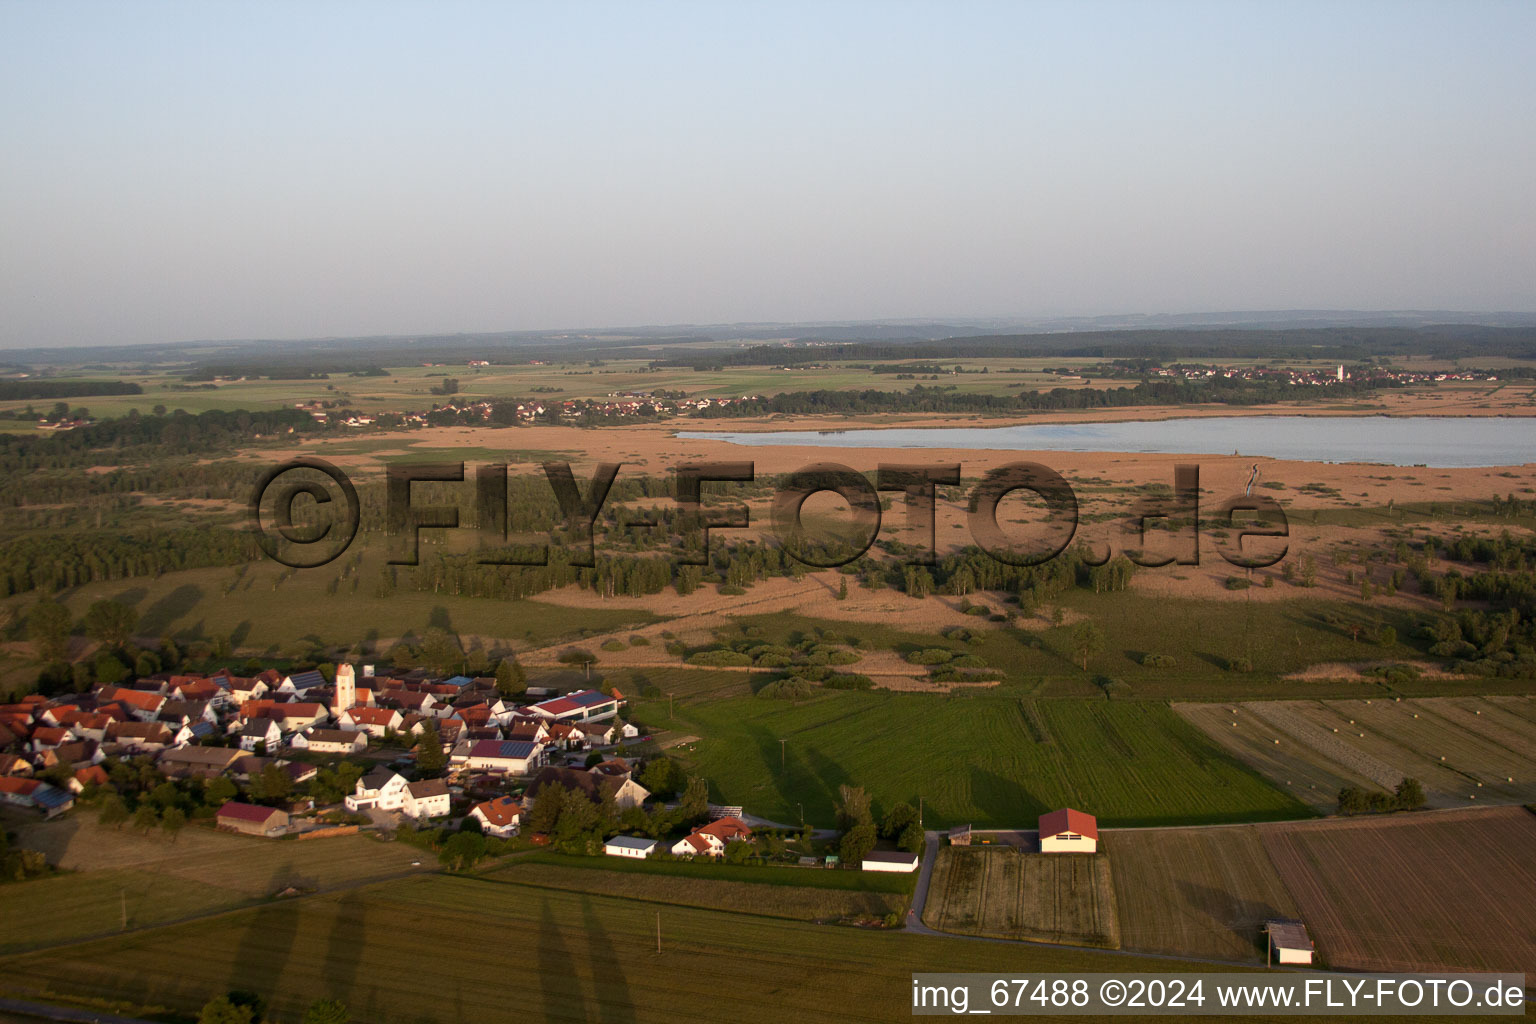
x=726 y=829
x=246 y=812
x=1068 y=820
x=500 y=812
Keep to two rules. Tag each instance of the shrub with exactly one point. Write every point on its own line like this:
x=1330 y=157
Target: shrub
x=1239 y=665
x=613 y=645
x=1158 y=660
x=576 y=656
x=930 y=656
x=791 y=688
x=1238 y=583
x=639 y=641
x=848 y=681
x=731 y=590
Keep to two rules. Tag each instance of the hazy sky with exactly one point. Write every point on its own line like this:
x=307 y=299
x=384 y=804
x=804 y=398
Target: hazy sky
x=218 y=170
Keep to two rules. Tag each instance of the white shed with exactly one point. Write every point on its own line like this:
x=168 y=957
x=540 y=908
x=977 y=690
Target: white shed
x=1288 y=940
x=1068 y=831
x=889 y=860
x=629 y=846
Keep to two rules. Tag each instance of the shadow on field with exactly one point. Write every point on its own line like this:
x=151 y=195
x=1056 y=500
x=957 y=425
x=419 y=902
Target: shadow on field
x=552 y=960
x=1003 y=802
x=267 y=944
x=615 y=1004
x=344 y=944
x=1229 y=913
x=157 y=619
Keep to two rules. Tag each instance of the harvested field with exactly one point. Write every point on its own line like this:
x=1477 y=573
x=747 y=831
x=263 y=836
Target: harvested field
x=1005 y=893
x=794 y=902
x=1461 y=749
x=1198 y=892
x=1452 y=890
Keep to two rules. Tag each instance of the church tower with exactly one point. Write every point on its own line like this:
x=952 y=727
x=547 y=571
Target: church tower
x=346 y=689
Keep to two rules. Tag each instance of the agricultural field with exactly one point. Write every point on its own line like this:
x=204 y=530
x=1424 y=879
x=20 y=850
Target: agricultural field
x=983 y=758
x=440 y=949
x=1451 y=890
x=797 y=902
x=1196 y=892
x=1005 y=893
x=1463 y=750
x=112 y=875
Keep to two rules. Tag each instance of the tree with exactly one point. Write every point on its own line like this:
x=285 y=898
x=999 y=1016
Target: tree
x=430 y=759
x=173 y=821
x=660 y=776
x=112 y=811
x=853 y=807
x=695 y=800
x=224 y=1010
x=327 y=1011
x=897 y=820
x=856 y=843
x=1386 y=636
x=272 y=786
x=1410 y=794
x=440 y=651
x=1087 y=640
x=911 y=838
x=842 y=589
x=462 y=850
x=110 y=623
x=511 y=679
x=145 y=818
x=48 y=627
x=218 y=792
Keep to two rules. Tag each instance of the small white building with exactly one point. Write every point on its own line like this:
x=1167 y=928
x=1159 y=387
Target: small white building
x=889 y=860
x=261 y=732
x=1288 y=942
x=517 y=757
x=629 y=846
x=1068 y=831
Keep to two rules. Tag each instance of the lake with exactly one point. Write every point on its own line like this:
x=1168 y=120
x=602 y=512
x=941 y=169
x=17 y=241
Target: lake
x=1442 y=441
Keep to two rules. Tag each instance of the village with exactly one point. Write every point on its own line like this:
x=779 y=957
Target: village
x=295 y=754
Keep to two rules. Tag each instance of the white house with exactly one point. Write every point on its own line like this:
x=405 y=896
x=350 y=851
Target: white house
x=710 y=840
x=380 y=788
x=499 y=817
x=261 y=731
x=331 y=741
x=517 y=757
x=426 y=799
x=373 y=721
x=887 y=860
x=629 y=846
x=1068 y=831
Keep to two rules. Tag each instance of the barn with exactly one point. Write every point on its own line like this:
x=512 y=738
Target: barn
x=1288 y=942
x=1068 y=831
x=252 y=820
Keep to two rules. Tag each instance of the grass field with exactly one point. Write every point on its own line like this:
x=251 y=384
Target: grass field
x=1200 y=892
x=444 y=949
x=1005 y=893
x=708 y=870
x=1452 y=890
x=152 y=879
x=987 y=759
x=1463 y=750
x=798 y=902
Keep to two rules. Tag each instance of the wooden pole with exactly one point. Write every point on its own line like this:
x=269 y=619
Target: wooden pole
x=125 y=910
x=781 y=755
x=658 y=933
